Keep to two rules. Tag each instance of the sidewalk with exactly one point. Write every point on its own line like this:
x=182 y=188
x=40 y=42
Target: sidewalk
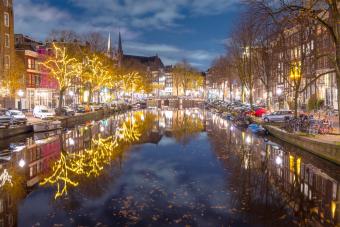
x=326 y=138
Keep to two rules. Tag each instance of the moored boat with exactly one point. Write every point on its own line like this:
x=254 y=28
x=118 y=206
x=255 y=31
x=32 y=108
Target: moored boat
x=47 y=126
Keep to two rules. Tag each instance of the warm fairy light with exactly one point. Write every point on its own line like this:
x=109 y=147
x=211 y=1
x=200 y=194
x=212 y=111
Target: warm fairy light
x=60 y=176
x=62 y=67
x=333 y=208
x=5 y=178
x=295 y=72
x=298 y=166
x=91 y=162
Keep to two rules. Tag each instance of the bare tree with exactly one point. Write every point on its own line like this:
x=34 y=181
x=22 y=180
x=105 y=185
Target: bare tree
x=325 y=13
x=222 y=73
x=242 y=50
x=96 y=40
x=63 y=36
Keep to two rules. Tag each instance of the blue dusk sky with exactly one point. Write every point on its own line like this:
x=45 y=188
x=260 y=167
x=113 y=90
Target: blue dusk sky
x=195 y=30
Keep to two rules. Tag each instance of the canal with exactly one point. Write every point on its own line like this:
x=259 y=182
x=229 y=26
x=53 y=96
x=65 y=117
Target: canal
x=164 y=168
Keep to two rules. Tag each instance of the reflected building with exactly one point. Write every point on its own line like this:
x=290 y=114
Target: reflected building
x=280 y=176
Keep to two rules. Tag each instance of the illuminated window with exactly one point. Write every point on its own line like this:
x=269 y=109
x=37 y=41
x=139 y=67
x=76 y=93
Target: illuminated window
x=31 y=63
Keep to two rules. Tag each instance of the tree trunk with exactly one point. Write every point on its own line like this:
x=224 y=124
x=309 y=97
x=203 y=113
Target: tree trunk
x=61 y=99
x=98 y=100
x=296 y=97
x=267 y=98
x=337 y=72
x=231 y=92
x=251 y=98
x=338 y=86
x=223 y=91
x=90 y=96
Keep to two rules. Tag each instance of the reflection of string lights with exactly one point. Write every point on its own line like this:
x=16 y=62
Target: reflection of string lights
x=91 y=162
x=71 y=141
x=5 y=178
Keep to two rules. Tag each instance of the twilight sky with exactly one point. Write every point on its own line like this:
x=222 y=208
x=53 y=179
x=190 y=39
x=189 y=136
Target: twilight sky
x=174 y=29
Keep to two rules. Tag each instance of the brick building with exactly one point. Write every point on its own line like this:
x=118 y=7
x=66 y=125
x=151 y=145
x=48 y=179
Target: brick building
x=6 y=48
x=40 y=88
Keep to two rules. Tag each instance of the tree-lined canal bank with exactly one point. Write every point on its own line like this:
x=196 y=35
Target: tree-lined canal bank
x=166 y=167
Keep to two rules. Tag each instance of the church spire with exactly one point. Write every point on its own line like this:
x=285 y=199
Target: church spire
x=109 y=46
x=120 y=46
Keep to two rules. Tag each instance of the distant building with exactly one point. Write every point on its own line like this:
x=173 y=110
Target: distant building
x=40 y=88
x=152 y=65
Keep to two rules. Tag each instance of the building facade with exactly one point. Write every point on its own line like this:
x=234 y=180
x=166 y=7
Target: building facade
x=6 y=49
x=40 y=88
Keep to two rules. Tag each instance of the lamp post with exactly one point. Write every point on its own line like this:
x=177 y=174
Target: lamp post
x=21 y=94
x=279 y=92
x=71 y=94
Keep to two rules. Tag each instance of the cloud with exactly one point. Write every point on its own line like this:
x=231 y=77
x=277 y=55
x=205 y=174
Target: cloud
x=158 y=14
x=131 y=17
x=169 y=54
x=38 y=19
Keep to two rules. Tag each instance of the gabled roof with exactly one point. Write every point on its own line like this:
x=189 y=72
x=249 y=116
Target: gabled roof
x=152 y=62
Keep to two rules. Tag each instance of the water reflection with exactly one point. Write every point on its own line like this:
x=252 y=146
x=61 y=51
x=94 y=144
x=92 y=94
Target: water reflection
x=131 y=169
x=285 y=180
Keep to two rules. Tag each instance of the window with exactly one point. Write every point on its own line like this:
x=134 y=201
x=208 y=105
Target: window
x=7 y=40
x=6 y=3
x=31 y=63
x=6 y=18
x=7 y=62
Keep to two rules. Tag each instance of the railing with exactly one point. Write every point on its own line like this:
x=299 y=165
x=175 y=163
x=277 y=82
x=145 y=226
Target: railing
x=309 y=126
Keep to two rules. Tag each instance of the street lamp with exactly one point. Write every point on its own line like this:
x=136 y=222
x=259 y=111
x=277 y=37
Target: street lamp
x=22 y=163
x=21 y=94
x=279 y=91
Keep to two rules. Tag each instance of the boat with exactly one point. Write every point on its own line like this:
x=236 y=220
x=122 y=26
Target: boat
x=47 y=126
x=46 y=134
x=228 y=117
x=257 y=129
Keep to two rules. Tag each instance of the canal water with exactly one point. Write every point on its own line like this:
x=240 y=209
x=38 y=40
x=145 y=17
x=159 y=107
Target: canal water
x=164 y=168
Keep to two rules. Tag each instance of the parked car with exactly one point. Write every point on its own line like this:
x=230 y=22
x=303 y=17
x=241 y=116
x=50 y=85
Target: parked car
x=260 y=111
x=17 y=116
x=43 y=112
x=4 y=119
x=95 y=107
x=67 y=111
x=278 y=116
x=140 y=105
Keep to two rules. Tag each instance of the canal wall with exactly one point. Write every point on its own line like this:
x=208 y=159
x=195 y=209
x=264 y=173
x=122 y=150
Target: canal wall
x=9 y=132
x=66 y=122
x=175 y=103
x=327 y=150
x=71 y=121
